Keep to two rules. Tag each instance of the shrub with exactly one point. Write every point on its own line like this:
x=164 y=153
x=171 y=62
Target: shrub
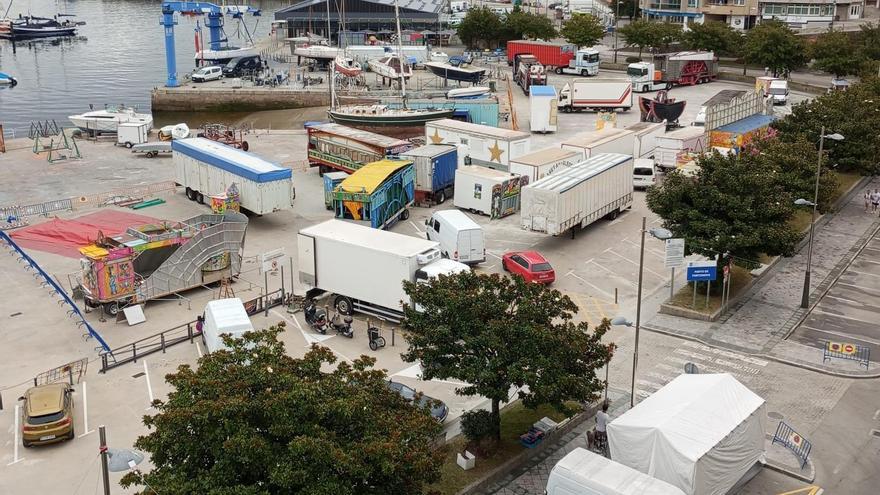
x=631 y=59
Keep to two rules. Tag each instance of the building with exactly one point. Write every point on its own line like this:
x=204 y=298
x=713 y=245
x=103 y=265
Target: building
x=683 y=12
x=745 y=14
x=801 y=13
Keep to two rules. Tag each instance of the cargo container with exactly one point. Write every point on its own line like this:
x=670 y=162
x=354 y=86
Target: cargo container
x=539 y=164
x=675 y=148
x=608 y=140
x=363 y=269
x=551 y=55
x=338 y=147
x=331 y=180
x=645 y=136
x=738 y=134
x=542 y=109
x=224 y=316
x=208 y=168
x=596 y=94
x=379 y=193
x=671 y=69
x=601 y=186
x=488 y=191
x=479 y=144
x=435 y=166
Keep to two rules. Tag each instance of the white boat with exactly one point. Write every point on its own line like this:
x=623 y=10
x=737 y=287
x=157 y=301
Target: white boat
x=225 y=54
x=347 y=66
x=390 y=66
x=6 y=79
x=441 y=57
x=107 y=120
x=317 y=52
x=467 y=92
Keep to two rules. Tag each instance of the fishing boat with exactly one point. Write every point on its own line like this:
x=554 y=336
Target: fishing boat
x=391 y=66
x=107 y=120
x=7 y=80
x=460 y=73
x=32 y=27
x=347 y=66
x=470 y=92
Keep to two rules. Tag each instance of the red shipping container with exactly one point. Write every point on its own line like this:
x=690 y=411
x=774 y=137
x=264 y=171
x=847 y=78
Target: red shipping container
x=550 y=55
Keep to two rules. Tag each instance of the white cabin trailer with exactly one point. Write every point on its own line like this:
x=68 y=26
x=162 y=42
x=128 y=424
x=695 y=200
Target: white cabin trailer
x=479 y=144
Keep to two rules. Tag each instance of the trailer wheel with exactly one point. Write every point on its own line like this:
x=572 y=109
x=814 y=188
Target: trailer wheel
x=613 y=215
x=190 y=194
x=244 y=146
x=343 y=305
x=111 y=308
x=152 y=154
x=441 y=197
x=404 y=215
x=200 y=198
x=558 y=70
x=128 y=144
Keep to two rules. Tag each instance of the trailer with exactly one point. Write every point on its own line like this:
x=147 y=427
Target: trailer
x=152 y=150
x=584 y=63
x=346 y=149
x=477 y=144
x=129 y=134
x=673 y=69
x=488 y=191
x=542 y=109
x=435 y=166
x=528 y=72
x=730 y=105
x=599 y=187
x=736 y=135
x=331 y=180
x=645 y=136
x=379 y=193
x=363 y=269
x=608 y=140
x=209 y=168
x=539 y=164
x=551 y=55
x=675 y=148
x=596 y=94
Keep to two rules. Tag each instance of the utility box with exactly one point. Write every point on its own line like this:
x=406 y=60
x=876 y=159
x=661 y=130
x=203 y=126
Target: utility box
x=132 y=133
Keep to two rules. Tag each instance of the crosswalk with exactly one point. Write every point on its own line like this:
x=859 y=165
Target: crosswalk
x=706 y=359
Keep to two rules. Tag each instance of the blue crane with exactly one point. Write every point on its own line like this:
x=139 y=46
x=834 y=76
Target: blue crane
x=214 y=23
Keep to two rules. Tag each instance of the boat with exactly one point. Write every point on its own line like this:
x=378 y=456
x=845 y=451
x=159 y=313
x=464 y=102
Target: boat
x=347 y=66
x=317 y=52
x=462 y=74
x=370 y=116
x=7 y=80
x=470 y=92
x=436 y=56
x=225 y=54
x=661 y=108
x=107 y=120
x=32 y=27
x=390 y=66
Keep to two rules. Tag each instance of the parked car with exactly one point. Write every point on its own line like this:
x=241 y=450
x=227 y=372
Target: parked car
x=643 y=173
x=47 y=414
x=530 y=265
x=438 y=409
x=239 y=66
x=210 y=73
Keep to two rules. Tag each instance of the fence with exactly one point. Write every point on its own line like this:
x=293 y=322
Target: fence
x=852 y=352
x=793 y=441
x=72 y=371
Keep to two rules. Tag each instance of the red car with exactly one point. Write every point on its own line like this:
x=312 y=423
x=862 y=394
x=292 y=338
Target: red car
x=530 y=265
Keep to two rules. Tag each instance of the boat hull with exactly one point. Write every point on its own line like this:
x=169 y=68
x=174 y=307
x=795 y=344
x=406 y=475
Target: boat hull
x=456 y=74
x=399 y=126
x=17 y=33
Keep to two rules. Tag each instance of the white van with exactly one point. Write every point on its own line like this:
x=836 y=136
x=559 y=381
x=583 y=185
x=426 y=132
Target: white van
x=644 y=175
x=211 y=73
x=224 y=316
x=460 y=238
x=582 y=472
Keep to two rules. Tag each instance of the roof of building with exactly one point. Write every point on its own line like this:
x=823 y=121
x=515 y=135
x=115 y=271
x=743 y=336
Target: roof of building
x=431 y=150
x=546 y=155
x=542 y=91
x=358 y=135
x=372 y=175
x=486 y=172
x=368 y=238
x=459 y=126
x=428 y=6
x=232 y=160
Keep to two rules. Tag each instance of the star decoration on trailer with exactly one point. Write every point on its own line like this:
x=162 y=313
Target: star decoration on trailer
x=496 y=153
x=437 y=138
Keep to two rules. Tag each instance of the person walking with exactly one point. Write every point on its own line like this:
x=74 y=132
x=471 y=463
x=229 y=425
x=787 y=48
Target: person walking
x=867 y=199
x=875 y=200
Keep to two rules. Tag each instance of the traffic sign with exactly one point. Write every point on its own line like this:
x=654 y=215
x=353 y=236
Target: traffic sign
x=269 y=261
x=701 y=271
x=674 y=253
x=726 y=272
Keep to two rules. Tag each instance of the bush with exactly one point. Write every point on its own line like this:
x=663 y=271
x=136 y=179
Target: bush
x=632 y=60
x=477 y=425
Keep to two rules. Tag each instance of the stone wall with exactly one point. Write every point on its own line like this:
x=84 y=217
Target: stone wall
x=189 y=99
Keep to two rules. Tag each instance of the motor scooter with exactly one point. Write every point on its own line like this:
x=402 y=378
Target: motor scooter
x=342 y=324
x=315 y=316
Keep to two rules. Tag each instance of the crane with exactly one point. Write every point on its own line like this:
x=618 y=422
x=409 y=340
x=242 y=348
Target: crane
x=214 y=23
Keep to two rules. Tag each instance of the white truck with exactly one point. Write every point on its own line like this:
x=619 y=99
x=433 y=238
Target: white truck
x=487 y=191
x=539 y=164
x=608 y=140
x=599 y=187
x=543 y=109
x=224 y=316
x=585 y=473
x=206 y=168
x=364 y=269
x=673 y=69
x=645 y=136
x=674 y=148
x=479 y=144
x=778 y=91
x=596 y=94
x=584 y=63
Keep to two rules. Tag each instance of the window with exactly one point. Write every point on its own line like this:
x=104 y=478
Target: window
x=855 y=10
x=739 y=2
x=774 y=9
x=436 y=226
x=464 y=141
x=520 y=261
x=541 y=267
x=478 y=191
x=693 y=4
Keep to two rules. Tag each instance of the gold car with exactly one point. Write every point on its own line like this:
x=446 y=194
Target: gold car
x=47 y=414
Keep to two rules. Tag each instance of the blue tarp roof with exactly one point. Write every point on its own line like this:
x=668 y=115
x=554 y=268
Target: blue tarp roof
x=232 y=160
x=542 y=90
x=747 y=124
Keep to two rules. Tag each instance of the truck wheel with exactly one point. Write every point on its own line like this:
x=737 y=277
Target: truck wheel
x=559 y=70
x=441 y=197
x=668 y=86
x=644 y=89
x=404 y=215
x=343 y=305
x=190 y=194
x=112 y=309
x=200 y=198
x=584 y=73
x=128 y=144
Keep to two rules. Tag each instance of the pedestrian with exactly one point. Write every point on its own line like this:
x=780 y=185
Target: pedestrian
x=867 y=199
x=875 y=200
x=766 y=71
x=200 y=322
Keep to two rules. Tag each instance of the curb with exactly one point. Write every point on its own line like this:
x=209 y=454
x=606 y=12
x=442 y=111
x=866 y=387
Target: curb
x=793 y=474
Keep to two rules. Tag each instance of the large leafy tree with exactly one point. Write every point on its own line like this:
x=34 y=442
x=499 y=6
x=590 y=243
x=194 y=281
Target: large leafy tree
x=495 y=333
x=639 y=33
x=868 y=40
x=712 y=36
x=836 y=53
x=665 y=34
x=774 y=45
x=583 y=30
x=253 y=420
x=519 y=24
x=480 y=28
x=794 y=164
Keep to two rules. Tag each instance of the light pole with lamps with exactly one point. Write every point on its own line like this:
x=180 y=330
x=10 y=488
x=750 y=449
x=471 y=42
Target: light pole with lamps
x=657 y=233
x=616 y=21
x=805 y=297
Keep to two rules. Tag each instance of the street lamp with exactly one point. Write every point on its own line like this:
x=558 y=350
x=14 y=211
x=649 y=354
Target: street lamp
x=657 y=233
x=805 y=297
x=616 y=20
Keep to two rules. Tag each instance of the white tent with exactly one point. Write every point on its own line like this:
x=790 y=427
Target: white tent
x=701 y=433
x=582 y=471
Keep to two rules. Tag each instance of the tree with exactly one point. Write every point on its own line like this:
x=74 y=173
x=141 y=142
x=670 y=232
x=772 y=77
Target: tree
x=665 y=34
x=253 y=420
x=519 y=25
x=794 y=164
x=480 y=28
x=495 y=332
x=868 y=40
x=638 y=33
x=834 y=52
x=774 y=45
x=712 y=36
x=583 y=30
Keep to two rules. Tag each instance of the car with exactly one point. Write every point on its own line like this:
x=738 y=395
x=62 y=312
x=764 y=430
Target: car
x=643 y=173
x=438 y=409
x=240 y=66
x=47 y=414
x=210 y=73
x=530 y=265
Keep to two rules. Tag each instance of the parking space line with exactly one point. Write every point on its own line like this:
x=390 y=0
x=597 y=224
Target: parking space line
x=818 y=310
x=85 y=411
x=199 y=349
x=851 y=337
x=149 y=385
x=571 y=273
x=420 y=231
x=308 y=337
x=599 y=308
x=635 y=263
x=490 y=253
x=16 y=439
x=581 y=306
x=652 y=251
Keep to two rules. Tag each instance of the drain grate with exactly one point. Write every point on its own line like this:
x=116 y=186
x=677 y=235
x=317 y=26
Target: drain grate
x=774 y=415
x=876 y=433
x=138 y=375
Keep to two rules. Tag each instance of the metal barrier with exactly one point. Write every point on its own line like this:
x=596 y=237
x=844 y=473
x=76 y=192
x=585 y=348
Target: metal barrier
x=101 y=199
x=72 y=372
x=852 y=352
x=39 y=209
x=793 y=441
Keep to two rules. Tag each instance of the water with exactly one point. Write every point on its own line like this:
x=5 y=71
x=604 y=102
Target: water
x=117 y=57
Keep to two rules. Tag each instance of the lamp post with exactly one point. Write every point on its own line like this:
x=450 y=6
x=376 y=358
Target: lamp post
x=805 y=297
x=616 y=21
x=657 y=233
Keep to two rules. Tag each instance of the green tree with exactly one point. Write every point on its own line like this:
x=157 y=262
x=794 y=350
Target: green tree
x=774 y=45
x=712 y=36
x=836 y=53
x=638 y=33
x=665 y=34
x=495 y=332
x=253 y=420
x=583 y=30
x=868 y=40
x=519 y=25
x=480 y=28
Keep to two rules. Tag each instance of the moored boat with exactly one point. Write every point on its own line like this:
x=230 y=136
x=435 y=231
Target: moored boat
x=32 y=27
x=367 y=116
x=391 y=66
x=470 y=92
x=463 y=74
x=108 y=120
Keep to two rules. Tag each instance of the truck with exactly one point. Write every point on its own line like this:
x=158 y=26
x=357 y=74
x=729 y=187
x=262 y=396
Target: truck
x=599 y=187
x=543 y=109
x=584 y=63
x=224 y=316
x=645 y=138
x=539 y=164
x=675 y=148
x=777 y=91
x=379 y=193
x=587 y=473
x=363 y=269
x=608 y=140
x=487 y=191
x=673 y=69
x=435 y=166
x=528 y=72
x=207 y=168
x=551 y=55
x=596 y=94
x=479 y=144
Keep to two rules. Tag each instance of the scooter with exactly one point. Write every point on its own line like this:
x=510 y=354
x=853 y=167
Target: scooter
x=342 y=324
x=315 y=316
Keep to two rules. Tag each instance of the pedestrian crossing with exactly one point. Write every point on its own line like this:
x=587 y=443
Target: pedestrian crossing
x=707 y=360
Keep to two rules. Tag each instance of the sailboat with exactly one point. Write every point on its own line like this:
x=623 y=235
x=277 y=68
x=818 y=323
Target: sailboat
x=382 y=116
x=347 y=66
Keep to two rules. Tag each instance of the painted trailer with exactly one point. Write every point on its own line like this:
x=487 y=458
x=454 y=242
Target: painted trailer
x=596 y=95
x=208 y=168
x=477 y=144
x=645 y=136
x=331 y=180
x=539 y=164
x=673 y=69
x=346 y=149
x=435 y=166
x=379 y=193
x=542 y=109
x=488 y=191
x=551 y=55
x=599 y=187
x=675 y=148
x=608 y=140
x=736 y=135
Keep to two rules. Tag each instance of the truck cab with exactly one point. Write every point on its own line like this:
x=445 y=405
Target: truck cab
x=585 y=63
x=778 y=91
x=528 y=71
x=645 y=77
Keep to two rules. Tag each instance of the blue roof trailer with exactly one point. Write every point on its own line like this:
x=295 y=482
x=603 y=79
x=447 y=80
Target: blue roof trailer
x=208 y=168
x=435 y=166
x=543 y=103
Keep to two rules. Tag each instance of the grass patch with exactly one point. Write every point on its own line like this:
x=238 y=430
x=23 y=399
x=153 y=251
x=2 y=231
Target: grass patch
x=515 y=420
x=684 y=298
x=845 y=182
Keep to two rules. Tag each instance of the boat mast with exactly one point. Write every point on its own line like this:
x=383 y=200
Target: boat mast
x=329 y=40
x=400 y=53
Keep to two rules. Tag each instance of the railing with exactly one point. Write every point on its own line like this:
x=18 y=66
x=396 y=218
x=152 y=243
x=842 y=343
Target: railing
x=72 y=372
x=343 y=162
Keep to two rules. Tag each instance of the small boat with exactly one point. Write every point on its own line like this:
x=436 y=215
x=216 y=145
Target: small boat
x=32 y=27
x=368 y=116
x=107 y=120
x=438 y=57
x=661 y=108
x=347 y=66
x=7 y=80
x=225 y=54
x=390 y=66
x=463 y=74
x=467 y=92
x=317 y=52
x=170 y=132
